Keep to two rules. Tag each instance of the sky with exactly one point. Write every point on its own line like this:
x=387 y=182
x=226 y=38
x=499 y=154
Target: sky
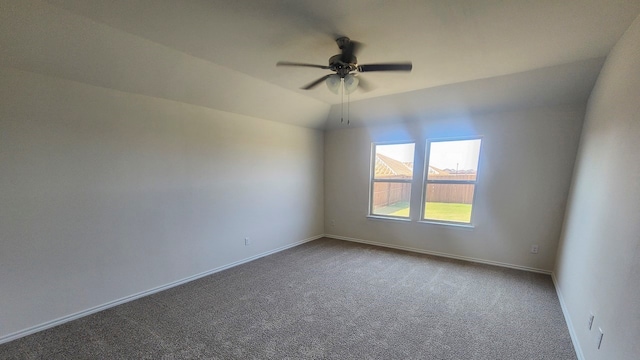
x=461 y=155
x=401 y=152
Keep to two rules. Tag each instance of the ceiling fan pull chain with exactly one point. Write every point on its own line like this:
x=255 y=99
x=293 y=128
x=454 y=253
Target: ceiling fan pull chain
x=348 y=102
x=342 y=103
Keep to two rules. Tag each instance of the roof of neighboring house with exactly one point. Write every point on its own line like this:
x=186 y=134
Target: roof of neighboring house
x=437 y=171
x=390 y=168
x=387 y=167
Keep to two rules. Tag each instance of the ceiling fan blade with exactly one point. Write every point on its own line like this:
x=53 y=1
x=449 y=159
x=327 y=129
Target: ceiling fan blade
x=405 y=66
x=315 y=83
x=287 y=63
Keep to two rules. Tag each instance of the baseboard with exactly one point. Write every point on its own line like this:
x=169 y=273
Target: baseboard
x=441 y=254
x=71 y=317
x=567 y=318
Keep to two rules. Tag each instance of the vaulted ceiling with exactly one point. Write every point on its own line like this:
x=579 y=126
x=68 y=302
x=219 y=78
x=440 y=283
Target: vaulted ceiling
x=222 y=54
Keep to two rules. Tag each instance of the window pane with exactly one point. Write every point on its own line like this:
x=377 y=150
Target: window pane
x=394 y=161
x=449 y=202
x=391 y=199
x=453 y=160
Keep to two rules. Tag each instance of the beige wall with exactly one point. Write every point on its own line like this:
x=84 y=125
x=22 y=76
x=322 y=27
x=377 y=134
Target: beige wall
x=526 y=164
x=598 y=267
x=106 y=194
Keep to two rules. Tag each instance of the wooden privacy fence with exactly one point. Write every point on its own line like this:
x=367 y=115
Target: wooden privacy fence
x=450 y=193
x=385 y=194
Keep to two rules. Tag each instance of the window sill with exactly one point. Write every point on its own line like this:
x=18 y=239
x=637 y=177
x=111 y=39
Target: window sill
x=380 y=217
x=468 y=227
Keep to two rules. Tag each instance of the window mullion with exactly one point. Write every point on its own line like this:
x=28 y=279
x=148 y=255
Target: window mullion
x=461 y=182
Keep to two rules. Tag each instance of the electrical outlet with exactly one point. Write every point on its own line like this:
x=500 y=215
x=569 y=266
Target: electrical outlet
x=599 y=338
x=333 y=222
x=247 y=241
x=534 y=249
x=591 y=316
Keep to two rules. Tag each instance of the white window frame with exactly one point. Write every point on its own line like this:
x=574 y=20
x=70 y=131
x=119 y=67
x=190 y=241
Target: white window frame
x=425 y=181
x=372 y=180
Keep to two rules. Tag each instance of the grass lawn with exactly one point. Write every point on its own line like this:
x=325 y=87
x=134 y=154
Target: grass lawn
x=400 y=208
x=448 y=212
x=434 y=211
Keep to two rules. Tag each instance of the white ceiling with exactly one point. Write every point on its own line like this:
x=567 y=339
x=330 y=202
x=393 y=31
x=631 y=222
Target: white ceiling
x=449 y=42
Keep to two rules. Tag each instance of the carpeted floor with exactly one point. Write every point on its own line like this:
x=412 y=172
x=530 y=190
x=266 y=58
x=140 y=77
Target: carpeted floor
x=327 y=299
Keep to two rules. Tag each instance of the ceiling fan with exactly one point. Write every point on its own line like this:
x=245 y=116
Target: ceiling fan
x=345 y=65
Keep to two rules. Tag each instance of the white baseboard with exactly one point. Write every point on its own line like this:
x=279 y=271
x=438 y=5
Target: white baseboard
x=567 y=318
x=441 y=254
x=67 y=318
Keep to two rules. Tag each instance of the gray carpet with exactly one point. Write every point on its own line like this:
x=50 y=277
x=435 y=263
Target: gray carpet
x=326 y=299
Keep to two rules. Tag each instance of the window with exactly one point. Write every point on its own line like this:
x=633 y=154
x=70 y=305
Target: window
x=391 y=176
x=451 y=172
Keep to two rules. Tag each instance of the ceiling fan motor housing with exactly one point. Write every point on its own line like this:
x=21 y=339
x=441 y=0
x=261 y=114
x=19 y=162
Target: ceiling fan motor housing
x=336 y=64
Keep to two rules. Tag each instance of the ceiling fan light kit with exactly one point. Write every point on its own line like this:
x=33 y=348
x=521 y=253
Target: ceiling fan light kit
x=333 y=83
x=348 y=84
